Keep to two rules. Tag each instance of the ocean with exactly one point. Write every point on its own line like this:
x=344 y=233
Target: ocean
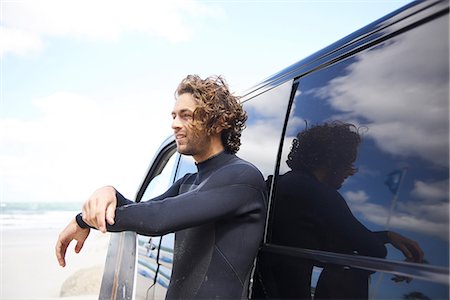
x=37 y=215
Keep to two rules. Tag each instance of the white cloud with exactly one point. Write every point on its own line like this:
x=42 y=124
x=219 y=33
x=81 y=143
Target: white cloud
x=429 y=217
x=358 y=196
x=433 y=191
x=402 y=105
x=275 y=99
x=98 y=19
x=432 y=201
x=77 y=144
x=261 y=139
x=18 y=41
x=260 y=145
x=434 y=212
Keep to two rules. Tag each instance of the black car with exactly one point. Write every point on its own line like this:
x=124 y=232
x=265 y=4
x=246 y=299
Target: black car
x=390 y=78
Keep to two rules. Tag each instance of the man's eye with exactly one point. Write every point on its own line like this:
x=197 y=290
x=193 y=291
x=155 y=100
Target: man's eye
x=187 y=116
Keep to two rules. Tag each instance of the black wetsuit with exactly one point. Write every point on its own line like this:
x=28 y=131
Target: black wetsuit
x=310 y=214
x=218 y=217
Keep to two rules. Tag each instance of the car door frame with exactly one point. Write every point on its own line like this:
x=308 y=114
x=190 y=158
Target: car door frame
x=118 y=281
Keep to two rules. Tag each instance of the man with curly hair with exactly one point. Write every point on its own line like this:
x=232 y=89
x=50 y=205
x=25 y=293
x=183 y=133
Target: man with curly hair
x=217 y=214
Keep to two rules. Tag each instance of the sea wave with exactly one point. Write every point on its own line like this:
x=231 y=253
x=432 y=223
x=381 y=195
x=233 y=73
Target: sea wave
x=22 y=215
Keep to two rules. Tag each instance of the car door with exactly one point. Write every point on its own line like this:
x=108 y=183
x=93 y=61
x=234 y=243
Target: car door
x=139 y=266
x=393 y=85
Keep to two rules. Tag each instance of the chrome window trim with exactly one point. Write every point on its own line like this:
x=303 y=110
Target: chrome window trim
x=414 y=270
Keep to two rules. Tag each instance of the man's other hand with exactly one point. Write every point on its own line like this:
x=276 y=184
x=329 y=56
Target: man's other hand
x=70 y=233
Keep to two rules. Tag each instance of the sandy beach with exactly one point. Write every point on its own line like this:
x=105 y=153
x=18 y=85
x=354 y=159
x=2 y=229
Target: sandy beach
x=29 y=269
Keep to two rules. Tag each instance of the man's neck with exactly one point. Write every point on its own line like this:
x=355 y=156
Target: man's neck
x=214 y=148
x=207 y=155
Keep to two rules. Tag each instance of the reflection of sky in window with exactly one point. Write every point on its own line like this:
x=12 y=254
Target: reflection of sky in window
x=399 y=91
x=160 y=183
x=261 y=138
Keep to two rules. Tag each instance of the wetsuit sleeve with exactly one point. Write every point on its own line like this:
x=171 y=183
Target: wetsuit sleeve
x=351 y=233
x=234 y=190
x=382 y=236
x=121 y=201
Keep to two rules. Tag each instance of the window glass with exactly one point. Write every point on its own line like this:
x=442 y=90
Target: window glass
x=165 y=244
x=161 y=182
x=148 y=246
x=396 y=95
x=185 y=166
x=261 y=137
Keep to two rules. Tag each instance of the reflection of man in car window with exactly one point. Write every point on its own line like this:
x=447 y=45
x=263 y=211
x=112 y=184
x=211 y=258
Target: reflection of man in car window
x=310 y=213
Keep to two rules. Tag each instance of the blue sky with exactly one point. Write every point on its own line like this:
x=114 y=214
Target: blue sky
x=87 y=86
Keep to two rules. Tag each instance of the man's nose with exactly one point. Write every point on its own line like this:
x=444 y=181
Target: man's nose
x=176 y=124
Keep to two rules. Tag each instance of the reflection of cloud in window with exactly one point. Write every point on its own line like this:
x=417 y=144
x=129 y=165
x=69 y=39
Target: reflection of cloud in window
x=433 y=191
x=295 y=125
x=433 y=202
x=260 y=144
x=404 y=104
x=160 y=183
x=273 y=103
x=261 y=138
x=429 y=217
x=357 y=197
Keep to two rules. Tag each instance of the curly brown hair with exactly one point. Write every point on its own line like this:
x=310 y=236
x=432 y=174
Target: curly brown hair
x=218 y=109
x=330 y=145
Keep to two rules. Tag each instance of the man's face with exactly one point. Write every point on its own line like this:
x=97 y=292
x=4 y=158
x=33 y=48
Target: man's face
x=189 y=140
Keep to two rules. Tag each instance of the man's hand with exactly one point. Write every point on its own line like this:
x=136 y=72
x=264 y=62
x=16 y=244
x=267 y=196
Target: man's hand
x=70 y=233
x=410 y=249
x=100 y=208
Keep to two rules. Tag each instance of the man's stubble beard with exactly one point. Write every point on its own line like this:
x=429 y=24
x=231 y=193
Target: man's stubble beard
x=194 y=146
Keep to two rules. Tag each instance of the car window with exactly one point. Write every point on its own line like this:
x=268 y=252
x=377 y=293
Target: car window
x=262 y=135
x=396 y=96
x=152 y=250
x=185 y=166
x=161 y=182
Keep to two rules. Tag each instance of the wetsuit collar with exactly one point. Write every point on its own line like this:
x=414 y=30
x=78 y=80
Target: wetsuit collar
x=213 y=162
